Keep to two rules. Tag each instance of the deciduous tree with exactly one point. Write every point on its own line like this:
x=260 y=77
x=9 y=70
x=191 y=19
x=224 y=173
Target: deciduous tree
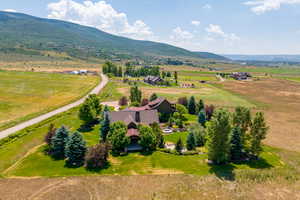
x=147 y=138
x=117 y=137
x=50 y=134
x=96 y=157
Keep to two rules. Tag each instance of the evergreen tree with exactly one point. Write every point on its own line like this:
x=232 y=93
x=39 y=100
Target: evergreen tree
x=120 y=72
x=258 y=132
x=75 y=150
x=153 y=97
x=58 y=143
x=117 y=137
x=202 y=118
x=179 y=146
x=163 y=74
x=218 y=134
x=105 y=127
x=236 y=151
x=147 y=138
x=190 y=142
x=192 y=106
x=200 y=105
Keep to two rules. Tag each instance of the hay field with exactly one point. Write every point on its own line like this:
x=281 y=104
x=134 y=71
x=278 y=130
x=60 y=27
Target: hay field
x=24 y=95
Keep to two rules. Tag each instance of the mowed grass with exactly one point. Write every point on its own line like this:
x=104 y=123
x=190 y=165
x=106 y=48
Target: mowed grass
x=24 y=95
x=39 y=164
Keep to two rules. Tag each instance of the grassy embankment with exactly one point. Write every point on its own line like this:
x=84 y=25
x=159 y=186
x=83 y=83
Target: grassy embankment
x=25 y=95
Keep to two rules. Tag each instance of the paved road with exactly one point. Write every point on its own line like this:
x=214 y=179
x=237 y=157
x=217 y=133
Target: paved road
x=33 y=121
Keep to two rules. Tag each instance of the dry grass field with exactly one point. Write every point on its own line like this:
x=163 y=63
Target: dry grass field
x=282 y=98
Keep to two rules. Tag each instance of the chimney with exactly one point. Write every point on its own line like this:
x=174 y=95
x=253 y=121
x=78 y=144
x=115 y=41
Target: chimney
x=137 y=116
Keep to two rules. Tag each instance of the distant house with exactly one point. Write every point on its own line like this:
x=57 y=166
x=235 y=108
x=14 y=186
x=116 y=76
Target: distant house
x=153 y=80
x=162 y=105
x=132 y=119
x=241 y=75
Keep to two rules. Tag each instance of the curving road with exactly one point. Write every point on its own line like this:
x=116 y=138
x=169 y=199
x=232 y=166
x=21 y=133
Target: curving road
x=33 y=121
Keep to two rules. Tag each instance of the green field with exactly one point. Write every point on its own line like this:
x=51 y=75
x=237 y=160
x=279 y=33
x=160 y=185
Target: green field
x=24 y=95
x=271 y=70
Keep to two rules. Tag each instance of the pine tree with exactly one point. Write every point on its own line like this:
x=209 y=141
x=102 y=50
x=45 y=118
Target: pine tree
x=218 y=134
x=258 y=132
x=105 y=127
x=192 y=105
x=236 y=151
x=153 y=97
x=179 y=146
x=75 y=150
x=58 y=143
x=201 y=105
x=176 y=77
x=202 y=118
x=190 y=142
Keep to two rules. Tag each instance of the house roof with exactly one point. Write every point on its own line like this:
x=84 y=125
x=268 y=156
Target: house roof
x=138 y=117
x=132 y=132
x=150 y=106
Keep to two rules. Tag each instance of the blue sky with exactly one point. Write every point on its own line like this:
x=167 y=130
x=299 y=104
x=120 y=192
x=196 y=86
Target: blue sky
x=219 y=26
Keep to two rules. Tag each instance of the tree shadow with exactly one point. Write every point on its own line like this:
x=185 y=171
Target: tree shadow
x=259 y=163
x=146 y=153
x=98 y=169
x=224 y=171
x=87 y=127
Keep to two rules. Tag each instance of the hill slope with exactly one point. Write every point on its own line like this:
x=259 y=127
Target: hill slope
x=20 y=30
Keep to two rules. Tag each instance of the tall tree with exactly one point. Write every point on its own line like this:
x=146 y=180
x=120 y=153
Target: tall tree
x=236 y=150
x=135 y=94
x=58 y=143
x=120 y=72
x=94 y=102
x=258 y=132
x=192 y=105
x=105 y=127
x=199 y=134
x=202 y=117
x=218 y=132
x=160 y=142
x=117 y=137
x=87 y=113
x=75 y=150
x=242 y=119
x=153 y=97
x=50 y=134
x=190 y=142
x=176 y=77
x=163 y=74
x=200 y=105
x=147 y=138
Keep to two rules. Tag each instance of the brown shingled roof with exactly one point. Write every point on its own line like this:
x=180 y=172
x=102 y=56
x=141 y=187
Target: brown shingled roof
x=139 y=117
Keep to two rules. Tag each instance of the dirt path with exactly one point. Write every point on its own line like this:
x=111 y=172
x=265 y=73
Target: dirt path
x=33 y=121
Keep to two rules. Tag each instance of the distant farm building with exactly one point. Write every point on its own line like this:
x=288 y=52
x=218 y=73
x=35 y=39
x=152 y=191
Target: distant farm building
x=153 y=80
x=241 y=75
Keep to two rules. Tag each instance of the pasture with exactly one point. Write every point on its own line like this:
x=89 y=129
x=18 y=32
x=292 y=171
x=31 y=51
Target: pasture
x=24 y=95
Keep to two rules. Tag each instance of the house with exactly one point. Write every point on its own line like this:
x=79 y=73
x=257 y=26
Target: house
x=153 y=80
x=132 y=119
x=162 y=105
x=241 y=75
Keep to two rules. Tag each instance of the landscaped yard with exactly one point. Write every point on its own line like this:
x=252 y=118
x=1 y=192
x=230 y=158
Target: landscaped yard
x=24 y=95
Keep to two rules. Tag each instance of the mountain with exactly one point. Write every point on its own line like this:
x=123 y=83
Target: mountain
x=265 y=58
x=21 y=31
x=211 y=56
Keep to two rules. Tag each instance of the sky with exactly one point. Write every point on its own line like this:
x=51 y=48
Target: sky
x=218 y=26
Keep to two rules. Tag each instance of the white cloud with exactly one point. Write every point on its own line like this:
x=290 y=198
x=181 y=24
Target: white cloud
x=262 y=6
x=10 y=10
x=216 y=31
x=178 y=34
x=195 y=23
x=207 y=6
x=100 y=15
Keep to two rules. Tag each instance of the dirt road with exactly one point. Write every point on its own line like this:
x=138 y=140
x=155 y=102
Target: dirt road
x=33 y=121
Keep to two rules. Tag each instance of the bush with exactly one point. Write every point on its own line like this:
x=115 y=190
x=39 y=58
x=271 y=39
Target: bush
x=190 y=153
x=97 y=155
x=123 y=101
x=183 y=101
x=50 y=134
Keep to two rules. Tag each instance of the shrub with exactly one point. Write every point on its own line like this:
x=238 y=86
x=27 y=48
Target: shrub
x=50 y=134
x=183 y=101
x=96 y=157
x=153 y=97
x=181 y=109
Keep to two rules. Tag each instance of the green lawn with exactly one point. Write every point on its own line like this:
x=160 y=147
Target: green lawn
x=110 y=92
x=39 y=164
x=24 y=95
x=296 y=79
x=175 y=136
x=271 y=70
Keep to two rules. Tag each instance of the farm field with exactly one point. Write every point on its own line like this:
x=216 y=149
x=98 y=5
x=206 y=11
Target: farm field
x=25 y=95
